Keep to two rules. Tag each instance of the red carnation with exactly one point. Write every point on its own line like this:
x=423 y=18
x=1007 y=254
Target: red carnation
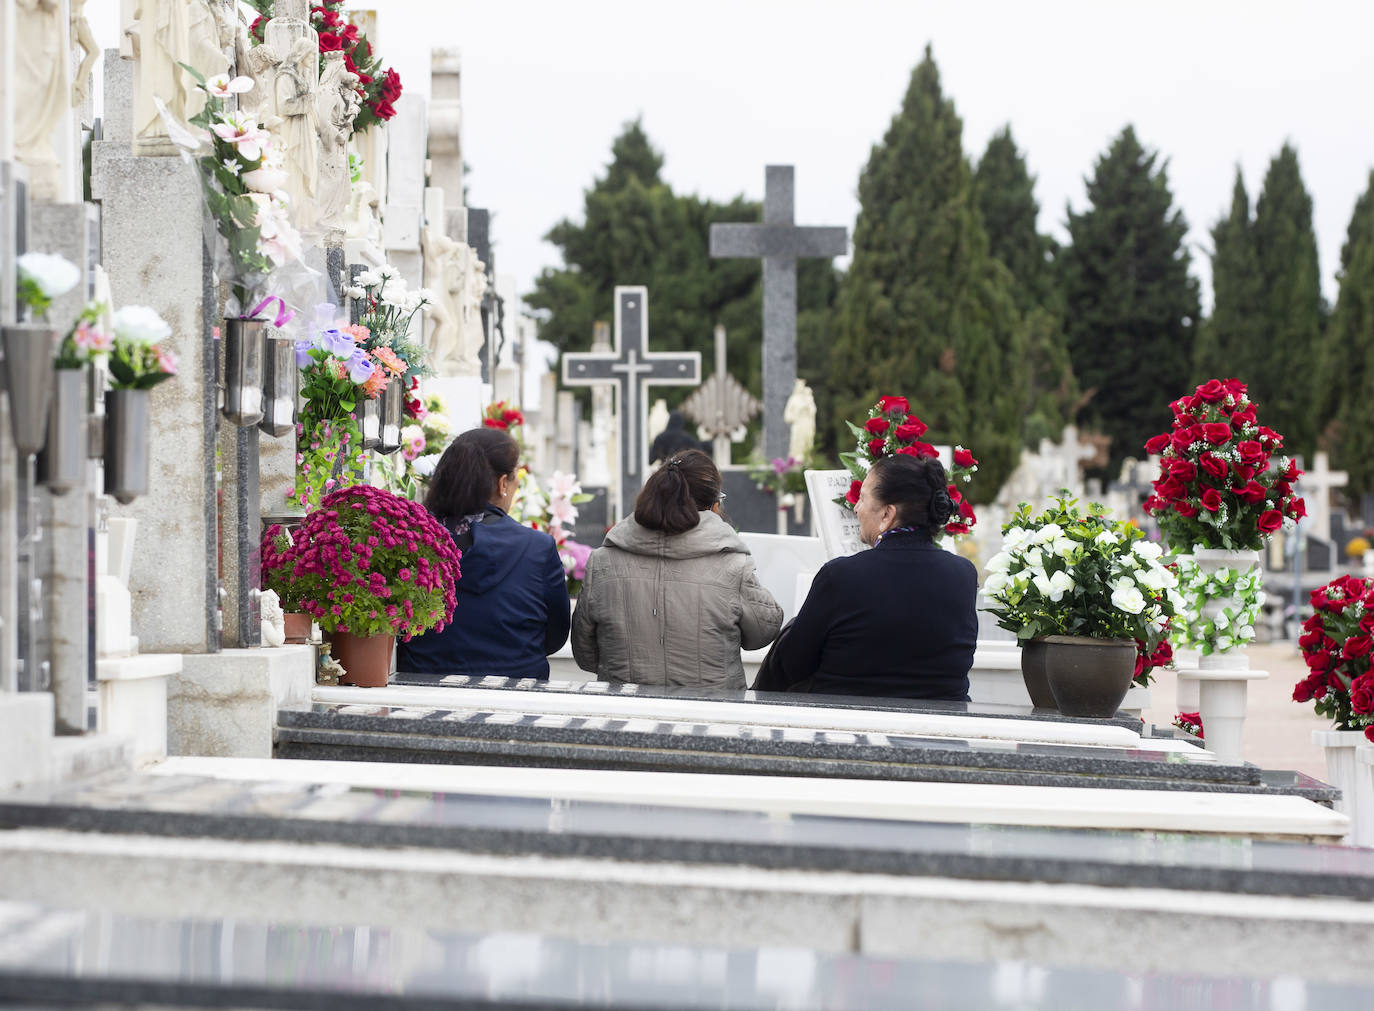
x=1157 y=445
x=912 y=428
x=963 y=458
x=890 y=405
x=1212 y=391
x=852 y=496
x=1218 y=433
x=876 y=447
x=877 y=426
x=1211 y=499
x=1269 y=521
x=1213 y=465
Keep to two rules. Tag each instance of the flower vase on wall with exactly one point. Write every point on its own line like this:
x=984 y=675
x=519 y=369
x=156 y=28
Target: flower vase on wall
x=62 y=463
x=389 y=409
x=279 y=384
x=126 y=444
x=28 y=374
x=243 y=371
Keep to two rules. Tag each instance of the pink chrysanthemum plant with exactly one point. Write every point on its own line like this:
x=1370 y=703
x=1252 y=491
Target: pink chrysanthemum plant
x=369 y=562
x=893 y=429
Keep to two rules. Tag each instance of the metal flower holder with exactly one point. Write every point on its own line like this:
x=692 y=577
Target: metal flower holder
x=279 y=381
x=126 y=444
x=243 y=371
x=389 y=438
x=62 y=463
x=29 y=377
x=371 y=423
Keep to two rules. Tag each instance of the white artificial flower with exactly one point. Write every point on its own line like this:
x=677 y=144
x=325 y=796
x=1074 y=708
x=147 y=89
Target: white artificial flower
x=395 y=295
x=53 y=274
x=1035 y=558
x=439 y=423
x=354 y=291
x=1155 y=578
x=1126 y=597
x=264 y=180
x=222 y=87
x=1106 y=537
x=1147 y=550
x=1221 y=621
x=1063 y=547
x=412 y=432
x=1060 y=584
x=426 y=295
x=140 y=325
x=386 y=272
x=999 y=562
x=1042 y=583
x=1047 y=533
x=996 y=583
x=1014 y=537
x=424 y=465
x=368 y=279
x=232 y=165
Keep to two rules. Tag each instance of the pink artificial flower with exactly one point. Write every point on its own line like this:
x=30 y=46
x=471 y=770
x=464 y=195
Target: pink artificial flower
x=244 y=133
x=166 y=361
x=91 y=340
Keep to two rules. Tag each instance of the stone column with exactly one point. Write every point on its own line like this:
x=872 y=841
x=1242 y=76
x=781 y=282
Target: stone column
x=154 y=254
x=404 y=204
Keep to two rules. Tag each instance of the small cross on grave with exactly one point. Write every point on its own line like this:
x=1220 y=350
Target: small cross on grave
x=721 y=405
x=630 y=369
x=779 y=243
x=1315 y=486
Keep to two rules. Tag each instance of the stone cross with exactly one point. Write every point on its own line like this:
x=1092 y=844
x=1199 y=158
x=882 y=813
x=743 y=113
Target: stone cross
x=779 y=243
x=1315 y=486
x=721 y=405
x=631 y=368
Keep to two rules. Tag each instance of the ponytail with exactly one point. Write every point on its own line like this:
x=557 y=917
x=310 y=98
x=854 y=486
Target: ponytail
x=676 y=494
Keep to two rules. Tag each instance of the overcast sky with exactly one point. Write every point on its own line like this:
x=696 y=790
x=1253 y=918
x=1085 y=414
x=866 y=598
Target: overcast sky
x=727 y=86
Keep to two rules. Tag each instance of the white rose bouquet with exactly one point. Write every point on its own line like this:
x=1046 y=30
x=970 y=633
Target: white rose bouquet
x=1063 y=573
x=43 y=277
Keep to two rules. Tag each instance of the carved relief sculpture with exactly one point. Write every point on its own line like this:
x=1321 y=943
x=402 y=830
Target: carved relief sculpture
x=41 y=96
x=800 y=413
x=161 y=43
x=336 y=106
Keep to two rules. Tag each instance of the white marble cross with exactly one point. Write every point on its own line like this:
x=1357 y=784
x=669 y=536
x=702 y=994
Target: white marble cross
x=630 y=369
x=1316 y=486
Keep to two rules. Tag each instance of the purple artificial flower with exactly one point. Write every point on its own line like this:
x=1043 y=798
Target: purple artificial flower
x=303 y=349
x=340 y=345
x=360 y=367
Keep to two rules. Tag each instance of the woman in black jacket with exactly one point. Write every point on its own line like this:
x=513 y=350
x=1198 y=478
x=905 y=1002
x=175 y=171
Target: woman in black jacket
x=900 y=620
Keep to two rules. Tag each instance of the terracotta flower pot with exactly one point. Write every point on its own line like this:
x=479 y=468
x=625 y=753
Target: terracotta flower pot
x=366 y=658
x=1089 y=677
x=297 y=626
x=1033 y=672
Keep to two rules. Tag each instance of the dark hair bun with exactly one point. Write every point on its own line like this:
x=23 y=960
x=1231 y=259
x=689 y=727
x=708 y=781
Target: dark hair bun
x=941 y=507
x=918 y=487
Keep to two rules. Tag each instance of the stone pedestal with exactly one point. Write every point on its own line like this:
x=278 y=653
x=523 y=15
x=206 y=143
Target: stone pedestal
x=133 y=701
x=225 y=704
x=1221 y=704
x=1350 y=768
x=26 y=722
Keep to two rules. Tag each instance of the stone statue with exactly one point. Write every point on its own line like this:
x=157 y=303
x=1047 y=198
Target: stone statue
x=474 y=287
x=273 y=619
x=161 y=43
x=335 y=108
x=658 y=418
x=41 y=97
x=443 y=265
x=294 y=91
x=260 y=63
x=800 y=413
x=84 y=39
x=205 y=42
x=362 y=213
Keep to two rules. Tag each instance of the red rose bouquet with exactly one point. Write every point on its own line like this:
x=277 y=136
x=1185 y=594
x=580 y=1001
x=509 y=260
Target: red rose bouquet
x=502 y=415
x=367 y=562
x=1336 y=646
x=893 y=430
x=1219 y=484
x=379 y=88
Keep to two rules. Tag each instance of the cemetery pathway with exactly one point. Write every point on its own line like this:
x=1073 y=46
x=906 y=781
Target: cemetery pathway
x=1278 y=731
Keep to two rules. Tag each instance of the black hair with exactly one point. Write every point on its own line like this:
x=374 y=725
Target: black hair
x=676 y=494
x=918 y=487
x=467 y=475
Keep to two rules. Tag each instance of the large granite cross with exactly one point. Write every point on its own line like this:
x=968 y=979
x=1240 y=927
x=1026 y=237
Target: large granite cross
x=630 y=369
x=779 y=243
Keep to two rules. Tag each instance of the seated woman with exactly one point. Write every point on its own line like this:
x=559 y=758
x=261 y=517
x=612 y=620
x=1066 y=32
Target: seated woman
x=672 y=595
x=898 y=621
x=513 y=596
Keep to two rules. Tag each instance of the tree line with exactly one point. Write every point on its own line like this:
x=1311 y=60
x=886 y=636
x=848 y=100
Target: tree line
x=999 y=335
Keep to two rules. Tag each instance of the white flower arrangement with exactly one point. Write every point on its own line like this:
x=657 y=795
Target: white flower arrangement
x=1228 y=626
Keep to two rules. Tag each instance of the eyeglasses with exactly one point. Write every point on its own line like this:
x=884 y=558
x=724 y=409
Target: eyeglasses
x=720 y=497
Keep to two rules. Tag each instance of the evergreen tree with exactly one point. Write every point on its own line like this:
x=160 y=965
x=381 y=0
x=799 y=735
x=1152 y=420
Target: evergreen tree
x=1131 y=307
x=1005 y=192
x=1228 y=339
x=1291 y=302
x=1347 y=370
x=925 y=310
x=636 y=230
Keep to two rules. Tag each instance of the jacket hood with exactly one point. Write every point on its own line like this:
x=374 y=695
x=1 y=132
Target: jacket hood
x=497 y=549
x=711 y=536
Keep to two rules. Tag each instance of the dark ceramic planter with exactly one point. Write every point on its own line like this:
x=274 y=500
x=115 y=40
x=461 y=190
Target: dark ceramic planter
x=1089 y=677
x=1034 y=673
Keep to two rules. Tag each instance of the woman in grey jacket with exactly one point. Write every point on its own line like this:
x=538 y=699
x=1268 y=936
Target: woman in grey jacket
x=672 y=595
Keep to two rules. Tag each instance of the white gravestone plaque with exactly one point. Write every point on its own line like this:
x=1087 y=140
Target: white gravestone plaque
x=837 y=526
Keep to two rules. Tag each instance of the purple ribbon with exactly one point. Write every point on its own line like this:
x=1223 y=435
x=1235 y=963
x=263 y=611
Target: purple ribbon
x=284 y=315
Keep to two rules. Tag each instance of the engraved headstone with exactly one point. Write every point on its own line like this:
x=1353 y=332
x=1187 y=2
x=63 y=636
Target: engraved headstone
x=721 y=405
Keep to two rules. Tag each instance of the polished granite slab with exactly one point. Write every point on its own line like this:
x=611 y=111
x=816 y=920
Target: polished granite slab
x=603 y=688
x=71 y=956
x=351 y=732
x=201 y=806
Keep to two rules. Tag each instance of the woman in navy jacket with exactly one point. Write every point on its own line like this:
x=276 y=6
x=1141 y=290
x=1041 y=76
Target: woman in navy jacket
x=898 y=621
x=513 y=596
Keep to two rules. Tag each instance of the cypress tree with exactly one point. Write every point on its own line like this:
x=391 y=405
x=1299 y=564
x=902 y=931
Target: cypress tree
x=1347 y=369
x=1229 y=337
x=1005 y=192
x=925 y=310
x=1291 y=301
x=1131 y=307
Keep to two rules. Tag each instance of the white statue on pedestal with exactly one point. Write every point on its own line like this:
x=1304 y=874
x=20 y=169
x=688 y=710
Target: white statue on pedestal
x=161 y=43
x=41 y=96
x=473 y=336
x=443 y=263
x=336 y=106
x=206 y=40
x=294 y=90
x=273 y=619
x=800 y=413
x=84 y=39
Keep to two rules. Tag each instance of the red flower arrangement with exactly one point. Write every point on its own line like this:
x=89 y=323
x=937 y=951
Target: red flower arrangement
x=892 y=430
x=498 y=415
x=1190 y=723
x=1336 y=646
x=1217 y=488
x=379 y=88
x=367 y=562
